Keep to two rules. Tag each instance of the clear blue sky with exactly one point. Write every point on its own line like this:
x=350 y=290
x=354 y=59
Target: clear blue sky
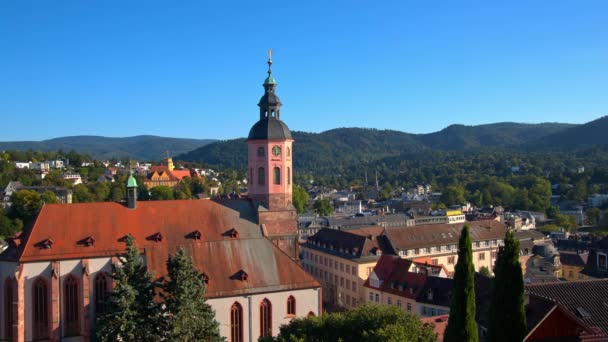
x=195 y=68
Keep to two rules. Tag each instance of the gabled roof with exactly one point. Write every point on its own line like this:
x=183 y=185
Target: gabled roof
x=344 y=243
x=441 y=234
x=588 y=299
x=573 y=259
x=160 y=228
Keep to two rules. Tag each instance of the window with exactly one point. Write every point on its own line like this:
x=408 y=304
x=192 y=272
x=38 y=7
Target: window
x=451 y=260
x=291 y=305
x=486 y=243
x=347 y=268
x=100 y=292
x=409 y=307
x=260 y=151
x=434 y=261
x=41 y=310
x=236 y=322
x=325 y=261
x=389 y=300
x=482 y=256
x=347 y=284
x=288 y=175
x=354 y=285
x=70 y=306
x=398 y=303
x=261 y=176
x=341 y=267
x=277 y=175
x=602 y=262
x=310 y=314
x=341 y=281
x=493 y=255
x=371 y=297
x=9 y=320
x=416 y=251
x=427 y=250
x=288 y=151
x=265 y=318
x=571 y=274
x=377 y=298
x=476 y=244
x=331 y=263
x=353 y=270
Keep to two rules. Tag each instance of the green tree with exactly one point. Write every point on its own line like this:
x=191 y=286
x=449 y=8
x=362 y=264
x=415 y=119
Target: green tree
x=453 y=194
x=366 y=323
x=485 y=271
x=323 y=207
x=592 y=216
x=161 y=193
x=507 y=316
x=462 y=326
x=130 y=313
x=26 y=204
x=300 y=199
x=81 y=194
x=189 y=317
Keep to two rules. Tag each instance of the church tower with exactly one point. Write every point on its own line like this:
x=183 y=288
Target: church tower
x=270 y=170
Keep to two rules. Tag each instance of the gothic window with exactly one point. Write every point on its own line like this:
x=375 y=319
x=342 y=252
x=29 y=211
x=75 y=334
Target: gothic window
x=277 y=175
x=8 y=309
x=265 y=318
x=70 y=306
x=260 y=151
x=291 y=305
x=261 y=176
x=40 y=310
x=100 y=292
x=236 y=323
x=288 y=175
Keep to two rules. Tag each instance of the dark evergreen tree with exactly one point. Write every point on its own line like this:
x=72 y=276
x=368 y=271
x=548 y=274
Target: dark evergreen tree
x=507 y=320
x=189 y=317
x=462 y=326
x=130 y=313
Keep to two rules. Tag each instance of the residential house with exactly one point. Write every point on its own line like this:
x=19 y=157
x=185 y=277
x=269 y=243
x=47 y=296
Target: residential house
x=597 y=261
x=573 y=264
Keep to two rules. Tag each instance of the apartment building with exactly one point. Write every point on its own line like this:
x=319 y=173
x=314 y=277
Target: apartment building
x=342 y=261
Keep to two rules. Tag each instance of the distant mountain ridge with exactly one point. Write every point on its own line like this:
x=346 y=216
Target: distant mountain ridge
x=352 y=147
x=141 y=147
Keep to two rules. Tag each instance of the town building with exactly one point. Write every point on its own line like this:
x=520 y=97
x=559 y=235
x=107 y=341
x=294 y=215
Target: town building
x=597 y=262
x=166 y=174
x=573 y=264
x=64 y=195
x=443 y=217
x=54 y=275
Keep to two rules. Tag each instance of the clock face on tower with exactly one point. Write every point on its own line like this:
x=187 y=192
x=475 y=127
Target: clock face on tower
x=276 y=150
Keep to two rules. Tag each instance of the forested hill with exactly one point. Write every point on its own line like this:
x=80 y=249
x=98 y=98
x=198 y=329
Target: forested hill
x=589 y=134
x=352 y=147
x=142 y=147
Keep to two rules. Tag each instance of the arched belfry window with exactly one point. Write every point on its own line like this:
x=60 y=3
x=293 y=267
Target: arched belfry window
x=40 y=306
x=260 y=151
x=9 y=317
x=276 y=175
x=71 y=307
x=261 y=176
x=236 y=322
x=291 y=305
x=100 y=292
x=265 y=318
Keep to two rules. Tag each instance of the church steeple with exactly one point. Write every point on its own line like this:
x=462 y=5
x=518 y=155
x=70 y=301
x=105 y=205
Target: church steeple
x=270 y=105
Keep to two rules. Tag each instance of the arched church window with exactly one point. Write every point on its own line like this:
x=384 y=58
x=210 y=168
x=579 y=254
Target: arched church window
x=100 y=292
x=70 y=306
x=260 y=151
x=40 y=310
x=236 y=322
x=261 y=176
x=277 y=175
x=291 y=305
x=265 y=318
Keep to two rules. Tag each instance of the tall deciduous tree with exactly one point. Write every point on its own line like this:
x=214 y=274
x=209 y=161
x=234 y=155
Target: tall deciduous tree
x=130 y=313
x=189 y=317
x=323 y=207
x=462 y=326
x=507 y=321
x=300 y=199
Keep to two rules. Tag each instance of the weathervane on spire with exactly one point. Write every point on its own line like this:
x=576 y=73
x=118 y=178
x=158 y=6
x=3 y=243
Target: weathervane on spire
x=269 y=60
x=270 y=80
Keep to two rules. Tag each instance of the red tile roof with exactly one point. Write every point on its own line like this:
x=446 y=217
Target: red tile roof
x=215 y=253
x=439 y=324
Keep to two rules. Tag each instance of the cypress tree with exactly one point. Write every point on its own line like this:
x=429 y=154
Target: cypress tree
x=190 y=318
x=130 y=313
x=507 y=316
x=462 y=326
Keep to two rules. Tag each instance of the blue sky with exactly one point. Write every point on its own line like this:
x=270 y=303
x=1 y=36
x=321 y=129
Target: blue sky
x=195 y=68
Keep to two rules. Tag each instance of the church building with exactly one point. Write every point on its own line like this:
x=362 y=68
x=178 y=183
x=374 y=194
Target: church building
x=58 y=270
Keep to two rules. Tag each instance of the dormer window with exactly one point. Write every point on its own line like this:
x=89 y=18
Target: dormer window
x=89 y=241
x=232 y=233
x=158 y=237
x=196 y=235
x=47 y=244
x=243 y=276
x=205 y=278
